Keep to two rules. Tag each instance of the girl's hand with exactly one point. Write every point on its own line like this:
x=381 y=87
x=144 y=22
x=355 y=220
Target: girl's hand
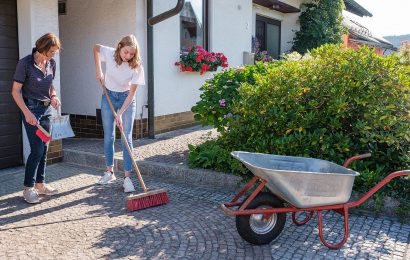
x=118 y=120
x=55 y=102
x=30 y=118
x=100 y=77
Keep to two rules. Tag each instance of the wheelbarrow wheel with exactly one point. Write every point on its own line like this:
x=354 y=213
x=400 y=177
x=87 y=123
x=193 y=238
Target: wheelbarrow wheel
x=259 y=229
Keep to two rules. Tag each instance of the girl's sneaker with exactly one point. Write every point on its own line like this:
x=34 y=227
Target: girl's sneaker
x=107 y=178
x=30 y=195
x=128 y=186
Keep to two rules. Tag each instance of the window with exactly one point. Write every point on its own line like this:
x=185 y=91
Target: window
x=62 y=7
x=268 y=35
x=193 y=24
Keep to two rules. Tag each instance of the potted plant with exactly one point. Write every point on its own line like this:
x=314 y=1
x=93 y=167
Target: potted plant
x=198 y=59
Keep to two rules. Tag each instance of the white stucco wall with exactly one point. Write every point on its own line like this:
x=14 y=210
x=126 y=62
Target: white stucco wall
x=231 y=28
x=289 y=22
x=85 y=24
x=230 y=33
x=35 y=18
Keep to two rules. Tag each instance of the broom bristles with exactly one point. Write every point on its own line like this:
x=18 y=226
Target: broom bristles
x=45 y=138
x=147 y=200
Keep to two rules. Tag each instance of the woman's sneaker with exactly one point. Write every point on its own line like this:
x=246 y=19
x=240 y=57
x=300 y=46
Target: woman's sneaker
x=107 y=178
x=30 y=195
x=128 y=186
x=46 y=190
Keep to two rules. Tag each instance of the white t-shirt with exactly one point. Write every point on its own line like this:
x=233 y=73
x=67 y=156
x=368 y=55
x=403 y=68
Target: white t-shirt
x=119 y=78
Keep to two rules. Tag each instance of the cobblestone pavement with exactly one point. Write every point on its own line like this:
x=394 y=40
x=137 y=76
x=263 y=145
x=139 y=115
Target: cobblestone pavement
x=88 y=221
x=169 y=147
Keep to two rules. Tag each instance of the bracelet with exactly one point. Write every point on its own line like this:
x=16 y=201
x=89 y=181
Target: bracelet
x=52 y=96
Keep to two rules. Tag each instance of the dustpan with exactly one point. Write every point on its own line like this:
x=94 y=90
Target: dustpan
x=60 y=126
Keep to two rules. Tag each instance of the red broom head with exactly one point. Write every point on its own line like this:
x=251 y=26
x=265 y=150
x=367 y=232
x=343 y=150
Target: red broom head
x=45 y=138
x=142 y=202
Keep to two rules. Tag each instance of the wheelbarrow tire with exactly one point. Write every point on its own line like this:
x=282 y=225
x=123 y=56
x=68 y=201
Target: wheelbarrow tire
x=261 y=234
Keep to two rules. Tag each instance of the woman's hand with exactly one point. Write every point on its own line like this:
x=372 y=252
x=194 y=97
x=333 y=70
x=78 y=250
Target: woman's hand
x=30 y=118
x=55 y=102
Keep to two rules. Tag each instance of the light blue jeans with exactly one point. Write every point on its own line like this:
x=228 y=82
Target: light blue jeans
x=108 y=120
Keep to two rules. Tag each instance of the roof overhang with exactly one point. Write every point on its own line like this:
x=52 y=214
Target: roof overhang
x=354 y=8
x=277 y=5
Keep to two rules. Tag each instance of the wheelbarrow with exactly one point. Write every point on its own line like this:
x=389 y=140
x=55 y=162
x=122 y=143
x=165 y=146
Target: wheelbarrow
x=295 y=184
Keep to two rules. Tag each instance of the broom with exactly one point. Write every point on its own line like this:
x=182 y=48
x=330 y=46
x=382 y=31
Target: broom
x=149 y=198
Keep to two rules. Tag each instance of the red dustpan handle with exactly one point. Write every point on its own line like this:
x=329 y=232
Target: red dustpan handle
x=125 y=140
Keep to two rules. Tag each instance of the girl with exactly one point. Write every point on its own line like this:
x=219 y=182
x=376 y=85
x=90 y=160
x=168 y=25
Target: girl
x=123 y=74
x=34 y=93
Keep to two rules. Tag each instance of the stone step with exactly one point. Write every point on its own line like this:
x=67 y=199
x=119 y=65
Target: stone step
x=170 y=172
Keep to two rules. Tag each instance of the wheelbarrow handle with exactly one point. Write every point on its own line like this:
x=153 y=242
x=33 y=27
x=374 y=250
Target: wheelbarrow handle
x=356 y=157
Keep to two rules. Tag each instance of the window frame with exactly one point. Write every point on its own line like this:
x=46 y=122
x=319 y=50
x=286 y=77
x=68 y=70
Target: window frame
x=205 y=22
x=272 y=21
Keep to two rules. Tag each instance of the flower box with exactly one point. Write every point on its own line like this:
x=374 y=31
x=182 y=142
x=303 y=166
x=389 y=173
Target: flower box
x=199 y=60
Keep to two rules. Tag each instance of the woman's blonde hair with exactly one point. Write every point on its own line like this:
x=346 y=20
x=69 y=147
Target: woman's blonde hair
x=45 y=42
x=130 y=41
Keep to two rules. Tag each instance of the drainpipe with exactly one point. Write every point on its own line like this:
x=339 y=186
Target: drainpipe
x=150 y=39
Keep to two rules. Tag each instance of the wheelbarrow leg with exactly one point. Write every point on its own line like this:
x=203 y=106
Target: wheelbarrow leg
x=304 y=221
x=346 y=229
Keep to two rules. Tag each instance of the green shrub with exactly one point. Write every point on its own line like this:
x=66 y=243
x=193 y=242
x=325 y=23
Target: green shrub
x=219 y=93
x=213 y=154
x=333 y=105
x=338 y=103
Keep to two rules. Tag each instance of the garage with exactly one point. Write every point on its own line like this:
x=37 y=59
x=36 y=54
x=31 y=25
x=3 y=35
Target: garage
x=11 y=150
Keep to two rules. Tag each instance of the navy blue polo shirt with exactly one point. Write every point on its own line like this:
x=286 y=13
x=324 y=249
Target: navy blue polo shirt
x=36 y=84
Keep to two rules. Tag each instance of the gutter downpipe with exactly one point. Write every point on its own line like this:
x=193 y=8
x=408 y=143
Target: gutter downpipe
x=150 y=44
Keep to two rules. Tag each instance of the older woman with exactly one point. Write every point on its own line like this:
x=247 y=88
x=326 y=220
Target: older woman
x=34 y=93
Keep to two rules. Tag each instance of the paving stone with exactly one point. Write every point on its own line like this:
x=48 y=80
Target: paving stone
x=88 y=221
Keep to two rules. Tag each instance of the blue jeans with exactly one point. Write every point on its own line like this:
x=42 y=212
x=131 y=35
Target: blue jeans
x=108 y=120
x=36 y=161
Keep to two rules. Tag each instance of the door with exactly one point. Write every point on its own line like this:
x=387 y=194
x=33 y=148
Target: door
x=11 y=152
x=268 y=35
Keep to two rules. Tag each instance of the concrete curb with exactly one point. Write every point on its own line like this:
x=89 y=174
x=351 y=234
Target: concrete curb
x=170 y=172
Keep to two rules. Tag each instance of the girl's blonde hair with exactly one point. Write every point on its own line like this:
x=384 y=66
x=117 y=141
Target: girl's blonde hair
x=130 y=41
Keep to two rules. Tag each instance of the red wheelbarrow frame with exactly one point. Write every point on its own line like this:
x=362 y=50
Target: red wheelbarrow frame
x=339 y=208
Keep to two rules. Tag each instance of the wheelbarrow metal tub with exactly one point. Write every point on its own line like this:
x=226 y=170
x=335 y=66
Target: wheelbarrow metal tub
x=302 y=182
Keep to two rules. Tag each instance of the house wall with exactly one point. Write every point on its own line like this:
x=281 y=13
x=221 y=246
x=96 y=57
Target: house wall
x=289 y=22
x=231 y=26
x=35 y=18
x=80 y=29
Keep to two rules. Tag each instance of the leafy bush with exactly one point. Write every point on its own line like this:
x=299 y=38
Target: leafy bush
x=219 y=93
x=404 y=53
x=213 y=154
x=332 y=105
x=337 y=103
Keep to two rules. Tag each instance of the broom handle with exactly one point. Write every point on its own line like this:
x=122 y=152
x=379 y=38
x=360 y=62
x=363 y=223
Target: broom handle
x=125 y=141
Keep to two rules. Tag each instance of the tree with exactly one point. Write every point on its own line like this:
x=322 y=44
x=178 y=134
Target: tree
x=320 y=23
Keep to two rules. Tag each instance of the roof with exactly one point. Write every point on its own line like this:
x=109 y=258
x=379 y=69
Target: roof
x=361 y=34
x=354 y=8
